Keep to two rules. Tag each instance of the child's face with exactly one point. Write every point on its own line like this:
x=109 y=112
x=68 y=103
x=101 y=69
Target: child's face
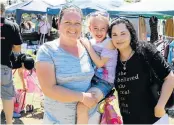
x=98 y=28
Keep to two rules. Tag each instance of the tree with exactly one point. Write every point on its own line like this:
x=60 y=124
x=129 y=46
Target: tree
x=132 y=1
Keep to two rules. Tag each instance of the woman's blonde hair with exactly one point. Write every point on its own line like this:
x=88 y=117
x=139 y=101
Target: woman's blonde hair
x=69 y=8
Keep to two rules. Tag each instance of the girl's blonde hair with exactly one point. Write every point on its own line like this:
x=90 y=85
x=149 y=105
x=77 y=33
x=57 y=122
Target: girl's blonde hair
x=99 y=15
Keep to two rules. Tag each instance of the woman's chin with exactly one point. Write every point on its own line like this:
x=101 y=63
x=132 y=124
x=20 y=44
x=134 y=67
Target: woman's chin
x=120 y=46
x=73 y=37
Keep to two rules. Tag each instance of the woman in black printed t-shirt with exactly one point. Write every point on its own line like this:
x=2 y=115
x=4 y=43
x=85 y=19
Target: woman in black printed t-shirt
x=136 y=101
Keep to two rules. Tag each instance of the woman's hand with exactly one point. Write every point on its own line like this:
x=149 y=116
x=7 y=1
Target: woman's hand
x=166 y=91
x=89 y=100
x=159 y=111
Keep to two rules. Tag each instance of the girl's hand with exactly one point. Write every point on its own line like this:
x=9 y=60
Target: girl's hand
x=25 y=89
x=85 y=42
x=159 y=111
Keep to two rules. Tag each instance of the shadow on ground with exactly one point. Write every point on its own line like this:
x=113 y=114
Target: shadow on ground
x=36 y=114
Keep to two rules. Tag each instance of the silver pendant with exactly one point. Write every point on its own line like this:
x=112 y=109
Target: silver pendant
x=124 y=68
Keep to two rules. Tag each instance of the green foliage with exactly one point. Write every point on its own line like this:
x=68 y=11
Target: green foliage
x=128 y=1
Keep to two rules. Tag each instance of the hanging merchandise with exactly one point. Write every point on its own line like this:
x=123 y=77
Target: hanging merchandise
x=169 y=28
x=166 y=52
x=171 y=53
x=142 y=29
x=164 y=27
x=159 y=28
x=153 y=22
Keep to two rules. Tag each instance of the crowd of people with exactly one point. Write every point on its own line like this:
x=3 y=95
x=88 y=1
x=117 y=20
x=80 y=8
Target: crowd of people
x=76 y=73
x=38 y=25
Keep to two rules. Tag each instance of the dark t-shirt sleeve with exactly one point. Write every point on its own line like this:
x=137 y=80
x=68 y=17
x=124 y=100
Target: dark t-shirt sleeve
x=157 y=62
x=16 y=36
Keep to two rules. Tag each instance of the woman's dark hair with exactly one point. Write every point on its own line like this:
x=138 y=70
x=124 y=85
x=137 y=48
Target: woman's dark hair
x=29 y=24
x=69 y=7
x=26 y=25
x=129 y=26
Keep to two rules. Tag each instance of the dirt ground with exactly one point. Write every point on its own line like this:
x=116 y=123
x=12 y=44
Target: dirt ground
x=34 y=117
x=34 y=99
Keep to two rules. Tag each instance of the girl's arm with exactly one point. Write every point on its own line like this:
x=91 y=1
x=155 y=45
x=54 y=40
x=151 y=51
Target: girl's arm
x=21 y=75
x=99 y=61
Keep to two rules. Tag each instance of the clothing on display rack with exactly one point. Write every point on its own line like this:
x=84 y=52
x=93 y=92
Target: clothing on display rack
x=164 y=26
x=169 y=28
x=163 y=46
x=160 y=27
x=171 y=53
x=166 y=52
x=168 y=40
x=142 y=29
x=153 y=22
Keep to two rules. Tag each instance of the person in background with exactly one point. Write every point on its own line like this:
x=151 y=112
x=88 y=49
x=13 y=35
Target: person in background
x=134 y=82
x=37 y=23
x=54 y=22
x=10 y=40
x=26 y=26
x=33 y=19
x=44 y=29
x=37 y=26
x=22 y=26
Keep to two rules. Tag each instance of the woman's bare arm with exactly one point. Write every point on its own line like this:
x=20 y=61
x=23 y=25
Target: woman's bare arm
x=47 y=79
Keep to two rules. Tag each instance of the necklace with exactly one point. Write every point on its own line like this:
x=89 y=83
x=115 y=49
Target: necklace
x=124 y=64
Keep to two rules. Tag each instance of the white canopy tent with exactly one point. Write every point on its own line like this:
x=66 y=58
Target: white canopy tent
x=151 y=7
